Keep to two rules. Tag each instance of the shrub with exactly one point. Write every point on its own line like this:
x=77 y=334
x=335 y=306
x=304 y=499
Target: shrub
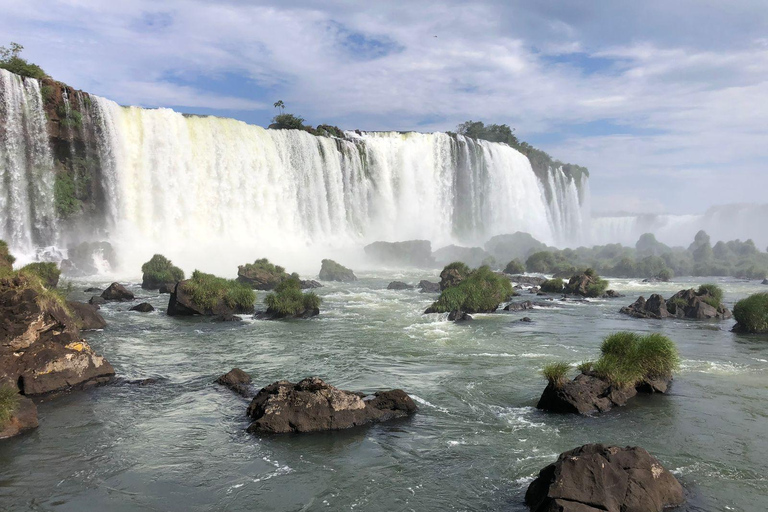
x=6 y=259
x=265 y=265
x=552 y=285
x=47 y=271
x=597 y=288
x=287 y=122
x=206 y=290
x=288 y=300
x=64 y=195
x=628 y=358
x=751 y=313
x=665 y=275
x=159 y=269
x=481 y=291
x=514 y=267
x=542 y=262
x=47 y=298
x=9 y=401
x=10 y=59
x=585 y=366
x=715 y=294
x=556 y=373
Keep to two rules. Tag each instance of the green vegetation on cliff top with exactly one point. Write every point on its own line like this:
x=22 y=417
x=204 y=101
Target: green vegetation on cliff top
x=10 y=59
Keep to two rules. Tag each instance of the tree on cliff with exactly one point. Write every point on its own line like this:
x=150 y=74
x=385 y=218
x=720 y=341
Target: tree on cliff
x=10 y=59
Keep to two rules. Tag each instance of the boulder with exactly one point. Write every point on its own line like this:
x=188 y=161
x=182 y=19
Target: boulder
x=765 y=281
x=274 y=315
x=236 y=380
x=450 y=276
x=96 y=301
x=428 y=286
x=684 y=304
x=118 y=293
x=612 y=294
x=312 y=405
x=166 y=287
x=518 y=306
x=599 y=478
x=654 y=307
x=525 y=319
x=23 y=418
x=459 y=316
x=93 y=290
x=399 y=285
x=40 y=345
x=332 y=271
x=144 y=307
x=527 y=280
x=87 y=315
x=411 y=253
x=261 y=274
x=181 y=304
x=226 y=318
x=308 y=284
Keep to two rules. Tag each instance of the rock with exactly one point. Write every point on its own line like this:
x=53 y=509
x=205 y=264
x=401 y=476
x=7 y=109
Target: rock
x=473 y=256
x=527 y=280
x=399 y=285
x=144 y=307
x=261 y=274
x=226 y=318
x=684 y=304
x=88 y=315
x=236 y=380
x=180 y=304
x=411 y=253
x=451 y=276
x=585 y=285
x=308 y=284
x=654 y=307
x=117 y=292
x=525 y=319
x=518 y=306
x=23 y=418
x=166 y=287
x=93 y=290
x=40 y=345
x=429 y=287
x=588 y=394
x=599 y=478
x=765 y=281
x=273 y=315
x=535 y=290
x=611 y=294
x=459 y=316
x=312 y=405
x=96 y=301
x=332 y=271
x=89 y=258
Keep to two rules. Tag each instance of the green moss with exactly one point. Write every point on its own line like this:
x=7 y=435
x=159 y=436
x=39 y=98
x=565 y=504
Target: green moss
x=556 y=373
x=628 y=358
x=9 y=402
x=751 y=313
x=48 y=93
x=288 y=300
x=6 y=258
x=552 y=285
x=64 y=194
x=206 y=290
x=159 y=269
x=715 y=294
x=481 y=291
x=48 y=272
x=585 y=366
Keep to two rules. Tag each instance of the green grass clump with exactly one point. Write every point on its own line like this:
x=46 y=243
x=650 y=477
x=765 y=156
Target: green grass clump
x=751 y=313
x=628 y=358
x=265 y=265
x=585 y=366
x=597 y=288
x=6 y=259
x=47 y=271
x=715 y=294
x=288 y=300
x=514 y=267
x=159 y=269
x=9 y=401
x=552 y=285
x=556 y=373
x=206 y=290
x=481 y=291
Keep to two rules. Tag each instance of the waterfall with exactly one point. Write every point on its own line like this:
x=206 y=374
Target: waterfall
x=186 y=185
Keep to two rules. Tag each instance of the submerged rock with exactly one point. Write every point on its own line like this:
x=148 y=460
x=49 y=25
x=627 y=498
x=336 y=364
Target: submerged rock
x=459 y=316
x=332 y=271
x=399 y=285
x=87 y=315
x=96 y=301
x=525 y=319
x=599 y=478
x=684 y=304
x=118 y=293
x=144 y=307
x=428 y=286
x=519 y=306
x=93 y=290
x=166 y=288
x=312 y=405
x=236 y=380
x=23 y=418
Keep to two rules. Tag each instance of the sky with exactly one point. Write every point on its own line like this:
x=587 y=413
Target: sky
x=666 y=102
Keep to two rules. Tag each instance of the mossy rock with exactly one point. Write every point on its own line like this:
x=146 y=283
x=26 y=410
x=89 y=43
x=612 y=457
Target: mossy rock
x=332 y=271
x=159 y=271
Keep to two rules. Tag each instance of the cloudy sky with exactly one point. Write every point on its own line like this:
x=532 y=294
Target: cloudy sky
x=665 y=101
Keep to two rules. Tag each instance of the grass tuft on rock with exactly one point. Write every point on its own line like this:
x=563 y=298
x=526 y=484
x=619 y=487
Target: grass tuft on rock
x=751 y=313
x=9 y=401
x=47 y=271
x=628 y=358
x=206 y=290
x=715 y=294
x=515 y=267
x=556 y=373
x=6 y=259
x=481 y=291
x=288 y=299
x=265 y=265
x=159 y=269
x=554 y=285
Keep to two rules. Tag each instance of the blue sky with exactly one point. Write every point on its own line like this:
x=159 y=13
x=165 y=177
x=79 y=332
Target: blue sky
x=665 y=102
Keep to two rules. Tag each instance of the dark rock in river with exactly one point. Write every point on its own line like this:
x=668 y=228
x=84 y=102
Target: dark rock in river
x=308 y=284
x=226 y=318
x=274 y=315
x=428 y=286
x=518 y=306
x=117 y=292
x=93 y=290
x=399 y=285
x=236 y=380
x=765 y=281
x=23 y=418
x=166 y=288
x=684 y=304
x=40 y=346
x=88 y=315
x=96 y=301
x=599 y=478
x=611 y=294
x=527 y=280
x=459 y=316
x=411 y=253
x=312 y=405
x=144 y=307
x=525 y=319
x=332 y=271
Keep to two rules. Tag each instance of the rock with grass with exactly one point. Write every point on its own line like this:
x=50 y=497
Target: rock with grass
x=599 y=478
x=238 y=381
x=629 y=363
x=428 y=287
x=117 y=293
x=482 y=291
x=554 y=285
x=751 y=314
x=453 y=274
x=40 y=346
x=399 y=285
x=144 y=307
x=18 y=413
x=586 y=284
x=208 y=295
x=411 y=253
x=159 y=272
x=702 y=304
x=6 y=258
x=312 y=405
x=261 y=274
x=515 y=267
x=87 y=316
x=288 y=301
x=332 y=271
x=47 y=271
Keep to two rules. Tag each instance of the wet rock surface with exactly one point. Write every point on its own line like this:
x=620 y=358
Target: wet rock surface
x=684 y=304
x=238 y=381
x=117 y=293
x=87 y=315
x=144 y=307
x=399 y=285
x=428 y=286
x=24 y=418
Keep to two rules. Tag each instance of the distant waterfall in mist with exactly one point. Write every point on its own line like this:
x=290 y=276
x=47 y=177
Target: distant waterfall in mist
x=175 y=183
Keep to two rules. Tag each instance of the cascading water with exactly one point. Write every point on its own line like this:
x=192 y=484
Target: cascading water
x=189 y=186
